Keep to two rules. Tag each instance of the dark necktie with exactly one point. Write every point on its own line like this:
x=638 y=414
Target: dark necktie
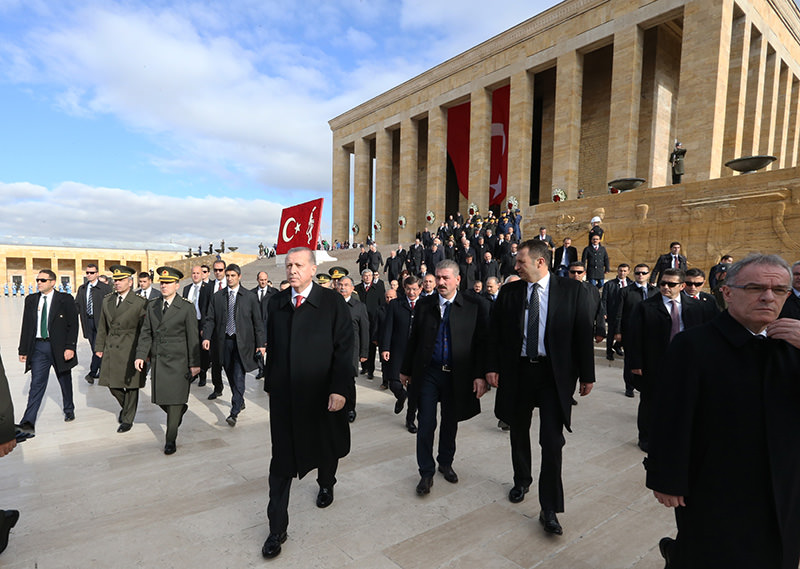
x=446 y=335
x=166 y=305
x=90 y=302
x=676 y=320
x=532 y=345
x=230 y=325
x=119 y=300
x=43 y=324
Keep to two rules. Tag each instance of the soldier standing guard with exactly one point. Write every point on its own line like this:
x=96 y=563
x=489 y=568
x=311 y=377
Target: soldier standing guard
x=117 y=335
x=169 y=338
x=676 y=161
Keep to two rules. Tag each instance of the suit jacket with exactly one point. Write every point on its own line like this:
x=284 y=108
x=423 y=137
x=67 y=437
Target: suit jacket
x=567 y=338
x=98 y=293
x=206 y=290
x=596 y=262
x=394 y=335
x=572 y=256
x=7 y=428
x=547 y=239
x=309 y=356
x=596 y=309
x=709 y=303
x=490 y=269
x=62 y=328
x=154 y=293
x=415 y=258
x=629 y=297
x=610 y=299
x=433 y=258
x=250 y=331
x=469 y=274
x=118 y=329
x=360 y=319
x=469 y=323
x=263 y=305
x=374 y=260
x=372 y=298
x=791 y=308
x=665 y=262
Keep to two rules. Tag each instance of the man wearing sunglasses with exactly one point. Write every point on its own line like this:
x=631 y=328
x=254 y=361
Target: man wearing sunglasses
x=219 y=283
x=655 y=322
x=695 y=279
x=89 y=300
x=629 y=297
x=791 y=309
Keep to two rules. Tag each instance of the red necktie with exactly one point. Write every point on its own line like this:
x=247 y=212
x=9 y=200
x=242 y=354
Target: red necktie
x=219 y=286
x=412 y=304
x=298 y=300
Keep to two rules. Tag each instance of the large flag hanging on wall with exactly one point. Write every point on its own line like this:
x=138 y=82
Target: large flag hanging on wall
x=458 y=145
x=299 y=226
x=498 y=165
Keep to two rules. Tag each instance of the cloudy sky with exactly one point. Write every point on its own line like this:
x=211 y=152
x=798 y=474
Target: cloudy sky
x=140 y=123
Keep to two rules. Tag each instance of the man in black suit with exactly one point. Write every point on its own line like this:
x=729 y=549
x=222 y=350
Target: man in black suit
x=444 y=362
x=791 y=309
x=361 y=335
x=48 y=338
x=694 y=281
x=433 y=257
x=363 y=259
x=469 y=272
x=489 y=267
x=8 y=441
x=393 y=266
x=234 y=322
x=629 y=297
x=263 y=291
x=374 y=259
x=372 y=296
x=217 y=284
x=146 y=289
x=563 y=256
x=653 y=326
x=577 y=272
x=89 y=299
x=309 y=376
x=540 y=346
x=393 y=342
x=543 y=236
x=610 y=298
x=199 y=294
x=724 y=450
x=416 y=256
x=426 y=238
x=671 y=260
x=595 y=258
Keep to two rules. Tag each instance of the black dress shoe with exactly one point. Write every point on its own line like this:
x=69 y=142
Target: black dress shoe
x=214 y=395
x=272 y=547
x=325 y=497
x=89 y=377
x=449 y=474
x=260 y=375
x=629 y=393
x=8 y=519
x=400 y=403
x=124 y=428
x=201 y=383
x=503 y=426
x=610 y=357
x=412 y=428
x=351 y=415
x=231 y=420
x=69 y=417
x=574 y=402
x=550 y=522
x=384 y=386
x=424 y=486
x=517 y=494
x=370 y=376
x=619 y=351
x=644 y=445
x=667 y=547
x=170 y=448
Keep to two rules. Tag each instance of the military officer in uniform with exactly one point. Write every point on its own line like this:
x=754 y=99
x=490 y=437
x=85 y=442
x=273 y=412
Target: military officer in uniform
x=117 y=334
x=169 y=337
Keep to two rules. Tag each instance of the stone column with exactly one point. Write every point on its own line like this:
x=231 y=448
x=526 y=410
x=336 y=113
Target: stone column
x=780 y=146
x=362 y=203
x=340 y=190
x=383 y=186
x=704 y=85
x=409 y=158
x=480 y=147
x=794 y=124
x=664 y=94
x=626 y=89
x=435 y=198
x=567 y=131
x=520 y=138
x=737 y=90
x=755 y=95
x=770 y=110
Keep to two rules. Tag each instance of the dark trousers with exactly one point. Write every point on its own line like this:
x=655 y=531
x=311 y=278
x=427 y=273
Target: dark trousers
x=128 y=399
x=216 y=368
x=643 y=417
x=174 y=419
x=234 y=369
x=369 y=365
x=279 y=485
x=94 y=367
x=538 y=389
x=398 y=390
x=435 y=386
x=610 y=342
x=205 y=355
x=41 y=361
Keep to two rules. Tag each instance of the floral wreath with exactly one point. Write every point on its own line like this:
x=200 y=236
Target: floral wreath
x=559 y=195
x=473 y=208
x=430 y=217
x=513 y=203
x=402 y=222
x=377 y=226
x=355 y=229
x=613 y=190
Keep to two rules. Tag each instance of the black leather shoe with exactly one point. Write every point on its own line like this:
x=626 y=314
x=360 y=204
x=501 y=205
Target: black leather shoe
x=8 y=519
x=550 y=522
x=124 y=428
x=170 y=448
x=412 y=428
x=629 y=393
x=503 y=426
x=370 y=376
x=574 y=402
x=517 y=494
x=201 y=382
x=260 y=375
x=325 y=497
x=424 y=486
x=666 y=546
x=610 y=357
x=231 y=420
x=214 y=395
x=644 y=445
x=400 y=403
x=384 y=386
x=272 y=547
x=619 y=351
x=449 y=474
x=351 y=415
x=89 y=377
x=69 y=417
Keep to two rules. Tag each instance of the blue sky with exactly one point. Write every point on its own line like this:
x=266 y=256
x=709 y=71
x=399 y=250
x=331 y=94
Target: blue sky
x=143 y=123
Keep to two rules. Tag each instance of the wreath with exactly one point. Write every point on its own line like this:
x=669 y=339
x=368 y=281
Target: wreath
x=402 y=221
x=559 y=195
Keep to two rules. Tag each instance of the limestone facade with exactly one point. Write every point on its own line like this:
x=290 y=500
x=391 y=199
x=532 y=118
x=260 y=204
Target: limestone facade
x=600 y=89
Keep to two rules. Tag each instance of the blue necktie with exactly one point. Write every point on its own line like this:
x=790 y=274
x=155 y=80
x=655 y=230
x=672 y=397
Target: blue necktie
x=532 y=345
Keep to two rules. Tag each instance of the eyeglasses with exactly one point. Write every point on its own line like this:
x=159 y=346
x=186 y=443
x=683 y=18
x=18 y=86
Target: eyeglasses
x=43 y=280
x=91 y=272
x=640 y=273
x=691 y=283
x=219 y=270
x=576 y=272
x=669 y=284
x=759 y=289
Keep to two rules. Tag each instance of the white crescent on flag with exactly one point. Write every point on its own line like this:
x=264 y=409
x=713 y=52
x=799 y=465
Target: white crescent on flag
x=296 y=229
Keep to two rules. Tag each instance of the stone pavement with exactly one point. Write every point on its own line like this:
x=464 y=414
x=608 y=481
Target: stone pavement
x=90 y=497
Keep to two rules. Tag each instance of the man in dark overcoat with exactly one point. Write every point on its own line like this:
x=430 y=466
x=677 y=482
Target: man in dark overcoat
x=540 y=346
x=169 y=338
x=361 y=335
x=444 y=362
x=89 y=300
x=8 y=441
x=309 y=375
x=199 y=294
x=630 y=296
x=724 y=450
x=118 y=328
x=595 y=258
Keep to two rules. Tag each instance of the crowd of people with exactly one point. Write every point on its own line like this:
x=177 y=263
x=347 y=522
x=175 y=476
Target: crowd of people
x=468 y=309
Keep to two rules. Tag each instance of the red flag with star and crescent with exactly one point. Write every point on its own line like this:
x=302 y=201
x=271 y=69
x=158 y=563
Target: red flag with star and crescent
x=299 y=226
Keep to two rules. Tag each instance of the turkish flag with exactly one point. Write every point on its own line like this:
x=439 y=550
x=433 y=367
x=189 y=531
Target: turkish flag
x=498 y=165
x=300 y=226
x=458 y=145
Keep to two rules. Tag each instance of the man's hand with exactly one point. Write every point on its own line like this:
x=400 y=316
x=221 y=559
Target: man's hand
x=785 y=329
x=362 y=359
x=669 y=500
x=479 y=387
x=261 y=351
x=206 y=345
x=194 y=371
x=493 y=378
x=68 y=355
x=598 y=339
x=585 y=388
x=6 y=448
x=335 y=402
x=99 y=354
x=405 y=379
x=636 y=372
x=138 y=364
x=23 y=359
x=385 y=356
x=617 y=337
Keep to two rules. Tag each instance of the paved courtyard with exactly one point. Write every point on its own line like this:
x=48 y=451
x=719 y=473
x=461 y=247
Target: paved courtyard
x=90 y=497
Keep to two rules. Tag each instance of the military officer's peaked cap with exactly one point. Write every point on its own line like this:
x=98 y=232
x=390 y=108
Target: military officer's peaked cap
x=338 y=272
x=168 y=274
x=119 y=272
x=323 y=278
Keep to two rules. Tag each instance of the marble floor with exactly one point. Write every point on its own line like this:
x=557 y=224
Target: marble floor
x=90 y=497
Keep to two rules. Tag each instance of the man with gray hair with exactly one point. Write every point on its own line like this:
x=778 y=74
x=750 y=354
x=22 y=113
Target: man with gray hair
x=372 y=294
x=360 y=318
x=724 y=450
